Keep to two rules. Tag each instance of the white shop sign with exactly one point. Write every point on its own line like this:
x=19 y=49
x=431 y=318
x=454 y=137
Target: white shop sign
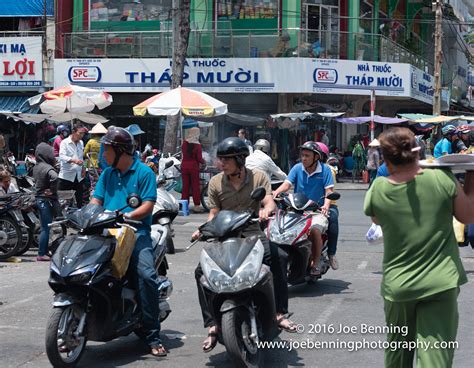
x=21 y=63
x=422 y=85
x=237 y=75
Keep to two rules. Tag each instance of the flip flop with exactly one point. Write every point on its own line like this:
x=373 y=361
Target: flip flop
x=291 y=327
x=212 y=345
x=158 y=351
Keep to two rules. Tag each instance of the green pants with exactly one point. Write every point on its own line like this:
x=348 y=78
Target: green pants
x=432 y=320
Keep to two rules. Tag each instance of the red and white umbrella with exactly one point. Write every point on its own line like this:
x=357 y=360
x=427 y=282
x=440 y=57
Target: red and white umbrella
x=71 y=98
x=181 y=100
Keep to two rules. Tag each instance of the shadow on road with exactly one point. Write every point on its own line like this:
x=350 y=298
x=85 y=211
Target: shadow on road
x=321 y=287
x=124 y=351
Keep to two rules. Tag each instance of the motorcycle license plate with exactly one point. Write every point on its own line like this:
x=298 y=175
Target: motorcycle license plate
x=17 y=215
x=32 y=217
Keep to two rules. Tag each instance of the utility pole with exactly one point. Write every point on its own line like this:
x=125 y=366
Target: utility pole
x=438 y=8
x=181 y=30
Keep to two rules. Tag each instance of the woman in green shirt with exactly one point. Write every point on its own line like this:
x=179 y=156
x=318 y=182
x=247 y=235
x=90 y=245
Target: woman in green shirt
x=422 y=270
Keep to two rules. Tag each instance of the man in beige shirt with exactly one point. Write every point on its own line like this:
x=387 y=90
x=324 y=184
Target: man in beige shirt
x=230 y=190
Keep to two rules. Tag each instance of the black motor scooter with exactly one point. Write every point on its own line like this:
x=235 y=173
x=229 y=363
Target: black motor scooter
x=89 y=302
x=238 y=285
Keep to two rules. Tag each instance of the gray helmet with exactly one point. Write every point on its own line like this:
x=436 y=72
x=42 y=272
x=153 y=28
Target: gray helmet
x=262 y=145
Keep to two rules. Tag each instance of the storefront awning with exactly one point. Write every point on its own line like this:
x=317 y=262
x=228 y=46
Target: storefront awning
x=16 y=104
x=30 y=8
x=365 y=119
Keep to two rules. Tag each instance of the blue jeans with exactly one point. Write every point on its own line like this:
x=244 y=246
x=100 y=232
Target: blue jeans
x=47 y=211
x=143 y=271
x=333 y=230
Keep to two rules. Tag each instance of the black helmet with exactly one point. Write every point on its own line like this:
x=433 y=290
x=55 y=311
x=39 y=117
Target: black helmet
x=120 y=139
x=313 y=147
x=232 y=147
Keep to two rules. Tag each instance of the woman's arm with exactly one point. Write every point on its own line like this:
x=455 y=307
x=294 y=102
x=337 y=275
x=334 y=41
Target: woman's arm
x=199 y=154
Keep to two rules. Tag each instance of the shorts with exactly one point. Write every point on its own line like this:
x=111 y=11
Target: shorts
x=319 y=222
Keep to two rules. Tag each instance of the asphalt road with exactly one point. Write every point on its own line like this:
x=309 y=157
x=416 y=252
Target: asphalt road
x=348 y=297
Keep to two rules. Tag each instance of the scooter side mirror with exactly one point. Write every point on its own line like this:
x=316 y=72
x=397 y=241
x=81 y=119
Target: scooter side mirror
x=134 y=201
x=169 y=164
x=258 y=194
x=334 y=196
x=161 y=179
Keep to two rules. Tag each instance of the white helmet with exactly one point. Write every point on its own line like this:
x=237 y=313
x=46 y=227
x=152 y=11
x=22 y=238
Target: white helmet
x=262 y=145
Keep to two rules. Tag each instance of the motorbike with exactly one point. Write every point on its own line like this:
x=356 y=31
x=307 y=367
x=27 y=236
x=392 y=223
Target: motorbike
x=239 y=287
x=30 y=162
x=10 y=162
x=89 y=302
x=289 y=228
x=11 y=225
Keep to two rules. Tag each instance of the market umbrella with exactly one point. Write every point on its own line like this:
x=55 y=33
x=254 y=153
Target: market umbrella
x=71 y=98
x=181 y=100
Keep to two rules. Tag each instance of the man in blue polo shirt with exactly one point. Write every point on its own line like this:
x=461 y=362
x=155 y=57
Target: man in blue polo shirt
x=314 y=179
x=126 y=175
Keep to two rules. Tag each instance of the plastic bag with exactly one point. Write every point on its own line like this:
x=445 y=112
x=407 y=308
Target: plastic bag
x=374 y=235
x=123 y=250
x=458 y=230
x=179 y=186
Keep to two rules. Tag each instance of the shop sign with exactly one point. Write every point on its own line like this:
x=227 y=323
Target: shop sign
x=20 y=63
x=237 y=75
x=422 y=85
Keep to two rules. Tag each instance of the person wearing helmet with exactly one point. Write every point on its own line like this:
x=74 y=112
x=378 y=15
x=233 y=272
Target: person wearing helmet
x=444 y=146
x=461 y=142
x=71 y=159
x=230 y=190
x=259 y=159
x=333 y=217
x=136 y=132
x=313 y=178
x=62 y=133
x=124 y=176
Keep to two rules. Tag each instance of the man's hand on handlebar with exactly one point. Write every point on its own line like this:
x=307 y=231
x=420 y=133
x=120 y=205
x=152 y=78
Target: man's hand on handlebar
x=195 y=235
x=264 y=214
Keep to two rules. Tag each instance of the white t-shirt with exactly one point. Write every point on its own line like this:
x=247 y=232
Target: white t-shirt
x=261 y=161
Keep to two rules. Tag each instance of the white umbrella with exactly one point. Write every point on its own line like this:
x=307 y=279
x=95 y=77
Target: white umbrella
x=71 y=98
x=181 y=100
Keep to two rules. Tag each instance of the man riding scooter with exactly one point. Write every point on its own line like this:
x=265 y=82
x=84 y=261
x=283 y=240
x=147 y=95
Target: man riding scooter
x=314 y=179
x=230 y=190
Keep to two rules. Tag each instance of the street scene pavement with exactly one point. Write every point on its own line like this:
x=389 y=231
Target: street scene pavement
x=345 y=306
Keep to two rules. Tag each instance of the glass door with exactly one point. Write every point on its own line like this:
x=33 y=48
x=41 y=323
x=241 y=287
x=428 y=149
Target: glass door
x=322 y=30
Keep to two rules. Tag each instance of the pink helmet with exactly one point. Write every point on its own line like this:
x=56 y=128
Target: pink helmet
x=324 y=148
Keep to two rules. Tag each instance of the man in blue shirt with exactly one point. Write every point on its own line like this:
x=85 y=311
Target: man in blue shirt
x=314 y=179
x=444 y=146
x=124 y=176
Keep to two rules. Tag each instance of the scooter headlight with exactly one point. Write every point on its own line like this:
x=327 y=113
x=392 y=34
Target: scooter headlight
x=244 y=277
x=286 y=237
x=83 y=275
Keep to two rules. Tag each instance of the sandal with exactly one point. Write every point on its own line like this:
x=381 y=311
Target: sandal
x=315 y=272
x=158 y=351
x=210 y=342
x=291 y=327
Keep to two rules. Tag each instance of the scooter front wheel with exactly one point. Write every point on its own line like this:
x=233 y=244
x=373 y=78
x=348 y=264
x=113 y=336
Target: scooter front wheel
x=236 y=333
x=64 y=345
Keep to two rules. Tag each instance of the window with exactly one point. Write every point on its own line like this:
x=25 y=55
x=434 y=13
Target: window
x=130 y=10
x=247 y=9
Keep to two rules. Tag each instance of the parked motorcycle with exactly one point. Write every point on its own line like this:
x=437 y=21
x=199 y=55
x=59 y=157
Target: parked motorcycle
x=11 y=224
x=289 y=228
x=239 y=287
x=10 y=162
x=165 y=210
x=89 y=303
x=30 y=162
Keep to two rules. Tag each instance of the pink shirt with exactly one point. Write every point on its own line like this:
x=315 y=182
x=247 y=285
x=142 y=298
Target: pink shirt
x=57 y=145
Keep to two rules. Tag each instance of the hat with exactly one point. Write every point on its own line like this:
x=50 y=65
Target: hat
x=98 y=129
x=193 y=135
x=135 y=129
x=374 y=143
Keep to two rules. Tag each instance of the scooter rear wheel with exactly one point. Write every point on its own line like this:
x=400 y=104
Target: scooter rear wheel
x=63 y=347
x=236 y=335
x=10 y=238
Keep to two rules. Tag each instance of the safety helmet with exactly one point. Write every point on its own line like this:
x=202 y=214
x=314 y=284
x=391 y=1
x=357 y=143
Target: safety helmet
x=313 y=147
x=120 y=139
x=462 y=130
x=233 y=147
x=155 y=151
x=325 y=150
x=62 y=128
x=262 y=145
x=448 y=129
x=135 y=129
